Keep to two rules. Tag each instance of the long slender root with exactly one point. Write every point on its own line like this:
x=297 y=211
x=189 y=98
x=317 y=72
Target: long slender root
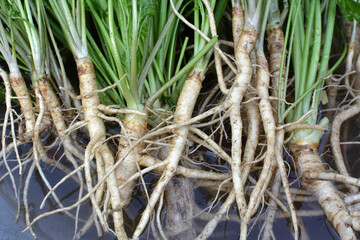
x=284 y=179
x=246 y=42
x=269 y=127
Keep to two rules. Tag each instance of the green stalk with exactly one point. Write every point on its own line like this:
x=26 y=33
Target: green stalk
x=33 y=37
x=304 y=52
x=82 y=26
x=133 y=68
x=103 y=64
x=197 y=24
x=264 y=19
x=311 y=78
x=111 y=40
x=4 y=46
x=183 y=71
x=315 y=85
x=325 y=56
x=315 y=56
x=182 y=53
x=282 y=89
x=16 y=32
x=220 y=8
x=75 y=42
x=309 y=68
x=157 y=46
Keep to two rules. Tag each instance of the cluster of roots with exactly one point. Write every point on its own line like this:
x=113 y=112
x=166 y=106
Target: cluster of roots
x=227 y=143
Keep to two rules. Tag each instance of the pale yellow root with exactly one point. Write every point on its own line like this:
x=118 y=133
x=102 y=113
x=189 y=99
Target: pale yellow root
x=158 y=220
x=269 y=165
x=276 y=46
x=209 y=143
x=278 y=215
x=330 y=176
x=217 y=52
x=39 y=153
x=237 y=22
x=37 y=149
x=281 y=176
x=53 y=104
x=243 y=48
x=69 y=175
x=252 y=140
x=100 y=169
x=257 y=199
x=353 y=41
x=58 y=119
x=352 y=199
x=349 y=112
x=275 y=37
x=90 y=101
x=184 y=110
x=308 y=161
x=268 y=120
x=88 y=179
x=25 y=200
x=284 y=178
x=248 y=159
x=18 y=85
x=351 y=30
x=135 y=127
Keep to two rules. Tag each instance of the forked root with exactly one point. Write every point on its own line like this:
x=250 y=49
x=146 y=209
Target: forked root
x=90 y=101
x=268 y=120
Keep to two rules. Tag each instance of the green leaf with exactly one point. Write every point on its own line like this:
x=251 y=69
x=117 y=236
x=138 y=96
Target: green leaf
x=350 y=9
x=100 y=4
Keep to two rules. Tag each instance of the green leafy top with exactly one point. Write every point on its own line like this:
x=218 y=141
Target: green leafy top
x=127 y=40
x=350 y=9
x=140 y=40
